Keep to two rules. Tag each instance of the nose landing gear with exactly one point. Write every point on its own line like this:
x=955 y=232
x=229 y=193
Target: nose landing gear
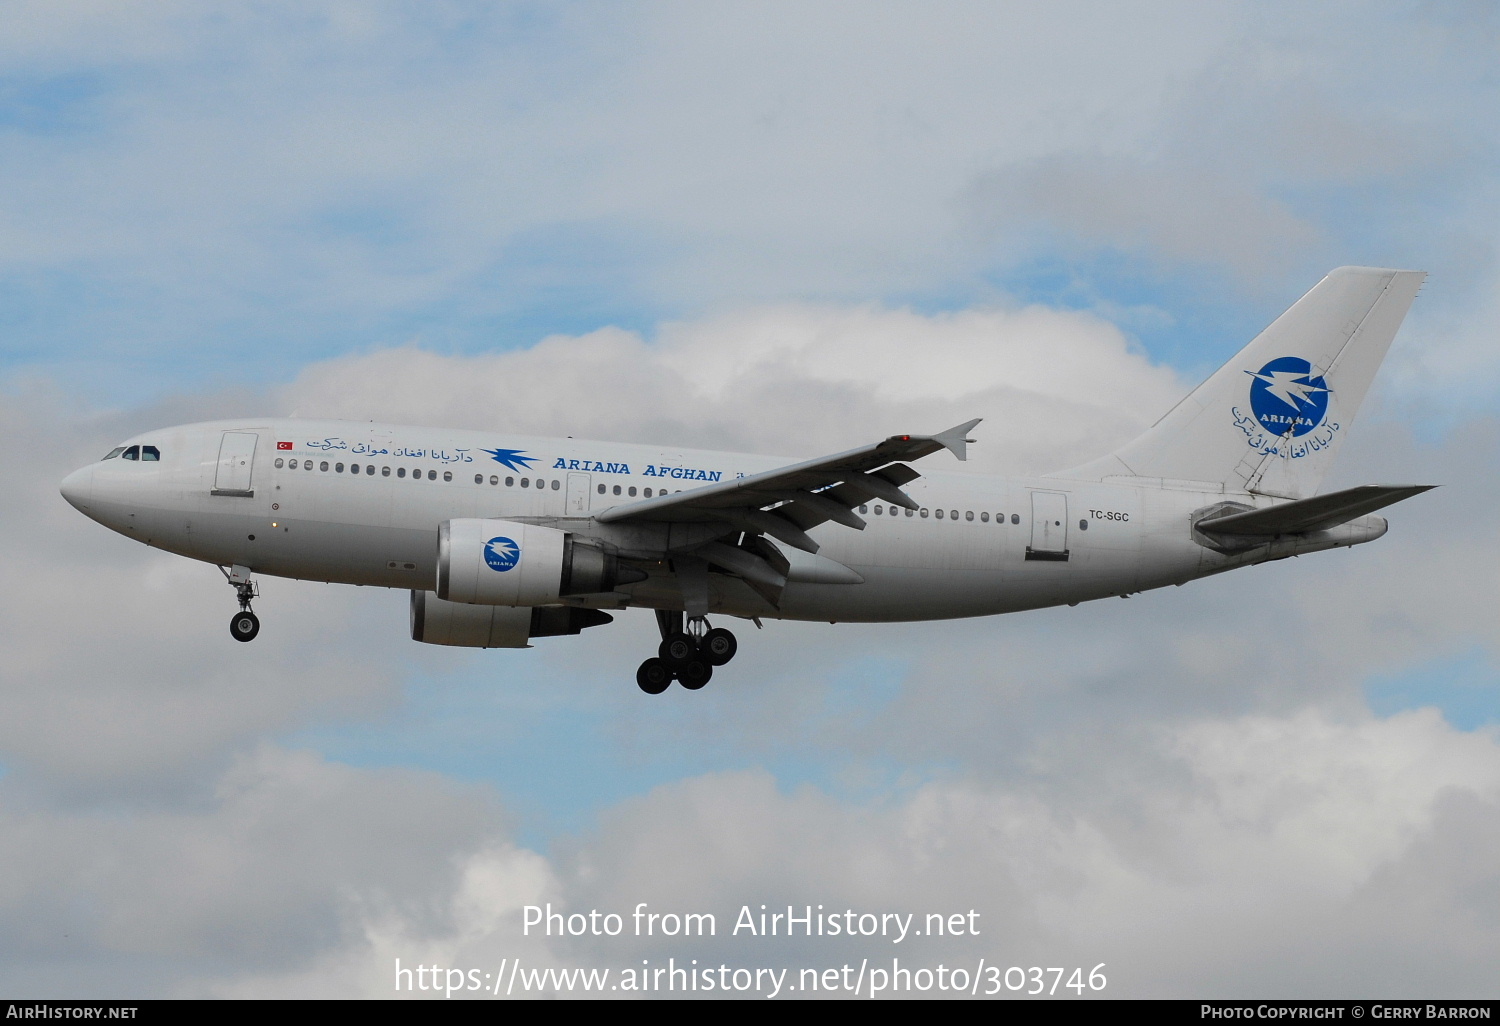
x=688 y=655
x=244 y=625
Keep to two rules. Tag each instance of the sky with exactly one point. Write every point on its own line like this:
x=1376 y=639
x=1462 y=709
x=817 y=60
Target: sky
x=786 y=228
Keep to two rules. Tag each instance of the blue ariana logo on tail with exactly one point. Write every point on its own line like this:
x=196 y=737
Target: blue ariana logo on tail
x=501 y=553
x=1288 y=410
x=1286 y=398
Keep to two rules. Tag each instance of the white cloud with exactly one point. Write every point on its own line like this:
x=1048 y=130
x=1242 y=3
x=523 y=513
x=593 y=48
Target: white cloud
x=1240 y=857
x=1174 y=213
x=796 y=380
x=271 y=179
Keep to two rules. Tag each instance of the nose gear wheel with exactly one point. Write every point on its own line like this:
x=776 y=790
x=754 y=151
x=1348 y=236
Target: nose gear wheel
x=244 y=625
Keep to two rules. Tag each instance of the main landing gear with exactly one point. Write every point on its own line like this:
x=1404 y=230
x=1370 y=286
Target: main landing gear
x=687 y=656
x=244 y=625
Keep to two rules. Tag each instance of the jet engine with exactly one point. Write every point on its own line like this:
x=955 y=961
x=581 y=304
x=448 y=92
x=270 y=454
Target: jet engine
x=467 y=625
x=504 y=563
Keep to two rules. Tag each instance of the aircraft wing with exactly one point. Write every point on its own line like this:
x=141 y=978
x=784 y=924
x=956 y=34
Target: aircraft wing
x=785 y=503
x=1315 y=514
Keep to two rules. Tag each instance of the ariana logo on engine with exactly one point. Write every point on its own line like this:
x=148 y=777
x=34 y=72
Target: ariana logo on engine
x=501 y=553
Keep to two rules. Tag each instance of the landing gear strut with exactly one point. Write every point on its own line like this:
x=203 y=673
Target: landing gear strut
x=688 y=653
x=244 y=625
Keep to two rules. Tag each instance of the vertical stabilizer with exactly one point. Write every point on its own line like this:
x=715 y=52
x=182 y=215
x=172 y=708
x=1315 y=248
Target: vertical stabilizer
x=1272 y=418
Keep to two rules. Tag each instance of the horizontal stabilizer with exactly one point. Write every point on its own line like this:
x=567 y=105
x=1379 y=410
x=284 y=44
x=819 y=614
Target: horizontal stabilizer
x=1316 y=514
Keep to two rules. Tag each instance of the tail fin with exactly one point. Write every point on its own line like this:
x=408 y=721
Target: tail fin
x=1271 y=419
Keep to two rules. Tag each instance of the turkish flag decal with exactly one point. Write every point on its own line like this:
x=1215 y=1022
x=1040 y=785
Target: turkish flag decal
x=283 y=445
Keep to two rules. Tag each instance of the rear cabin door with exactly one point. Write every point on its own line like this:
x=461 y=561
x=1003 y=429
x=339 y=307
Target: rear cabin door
x=1049 y=526
x=236 y=461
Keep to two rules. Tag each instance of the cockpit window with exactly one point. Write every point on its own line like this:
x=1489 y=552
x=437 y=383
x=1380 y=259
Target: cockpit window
x=133 y=453
x=150 y=453
x=115 y=452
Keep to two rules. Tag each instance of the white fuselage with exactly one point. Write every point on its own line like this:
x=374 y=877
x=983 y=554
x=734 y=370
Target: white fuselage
x=978 y=546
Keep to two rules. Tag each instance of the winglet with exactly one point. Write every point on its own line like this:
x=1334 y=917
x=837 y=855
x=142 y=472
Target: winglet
x=953 y=439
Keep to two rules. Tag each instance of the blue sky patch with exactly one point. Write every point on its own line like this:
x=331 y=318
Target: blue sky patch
x=1466 y=688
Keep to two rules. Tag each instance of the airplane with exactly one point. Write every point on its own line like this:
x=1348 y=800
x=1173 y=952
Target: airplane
x=502 y=539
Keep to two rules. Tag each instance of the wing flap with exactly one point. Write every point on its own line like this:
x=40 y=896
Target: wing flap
x=778 y=527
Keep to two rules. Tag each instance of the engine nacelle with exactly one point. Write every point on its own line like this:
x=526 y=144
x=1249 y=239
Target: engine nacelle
x=466 y=625
x=503 y=563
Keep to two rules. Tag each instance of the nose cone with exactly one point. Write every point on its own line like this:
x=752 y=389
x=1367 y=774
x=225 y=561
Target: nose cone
x=78 y=488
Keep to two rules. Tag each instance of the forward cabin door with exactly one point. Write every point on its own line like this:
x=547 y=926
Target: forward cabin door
x=578 y=494
x=1049 y=526
x=236 y=461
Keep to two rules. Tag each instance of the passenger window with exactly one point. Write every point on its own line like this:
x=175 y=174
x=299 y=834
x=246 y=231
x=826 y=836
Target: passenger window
x=648 y=493
x=968 y=514
x=525 y=482
x=924 y=514
x=878 y=510
x=911 y=512
x=510 y=482
x=133 y=453
x=447 y=475
x=400 y=471
x=338 y=467
x=385 y=471
x=354 y=468
x=617 y=489
x=150 y=454
x=432 y=475
x=863 y=510
x=1083 y=525
x=324 y=466
x=307 y=464
x=479 y=479
x=939 y=514
x=601 y=489
x=1015 y=518
x=279 y=462
x=632 y=491
x=114 y=452
x=494 y=479
x=984 y=518
x=556 y=485
x=953 y=514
